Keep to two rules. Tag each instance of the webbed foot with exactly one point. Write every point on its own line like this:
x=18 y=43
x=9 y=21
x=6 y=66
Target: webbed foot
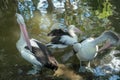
x=32 y=72
x=89 y=69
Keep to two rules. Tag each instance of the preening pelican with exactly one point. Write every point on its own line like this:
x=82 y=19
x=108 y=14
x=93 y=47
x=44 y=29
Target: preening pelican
x=63 y=39
x=33 y=50
x=88 y=49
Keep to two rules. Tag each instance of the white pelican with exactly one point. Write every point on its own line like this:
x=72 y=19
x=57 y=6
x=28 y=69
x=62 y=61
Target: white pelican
x=34 y=51
x=62 y=39
x=88 y=49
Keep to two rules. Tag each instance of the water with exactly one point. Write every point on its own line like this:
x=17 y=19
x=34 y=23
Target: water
x=12 y=65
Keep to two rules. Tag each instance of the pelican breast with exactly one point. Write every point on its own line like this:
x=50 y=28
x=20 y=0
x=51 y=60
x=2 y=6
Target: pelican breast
x=27 y=54
x=86 y=50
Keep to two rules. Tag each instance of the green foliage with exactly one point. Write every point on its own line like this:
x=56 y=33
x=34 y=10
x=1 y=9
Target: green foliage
x=96 y=23
x=106 y=11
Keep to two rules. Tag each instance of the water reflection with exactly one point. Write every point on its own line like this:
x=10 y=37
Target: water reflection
x=26 y=8
x=42 y=6
x=38 y=26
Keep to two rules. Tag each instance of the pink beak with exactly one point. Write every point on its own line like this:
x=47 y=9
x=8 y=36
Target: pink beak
x=105 y=46
x=77 y=30
x=23 y=29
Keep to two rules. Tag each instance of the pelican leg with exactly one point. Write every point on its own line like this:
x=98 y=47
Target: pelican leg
x=35 y=70
x=82 y=68
x=88 y=68
x=89 y=64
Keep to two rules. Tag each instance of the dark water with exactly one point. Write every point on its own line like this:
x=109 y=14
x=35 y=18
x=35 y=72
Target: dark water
x=115 y=18
x=11 y=63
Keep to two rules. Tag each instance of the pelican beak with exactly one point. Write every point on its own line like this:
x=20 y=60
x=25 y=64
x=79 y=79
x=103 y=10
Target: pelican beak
x=23 y=29
x=77 y=30
x=53 y=62
x=105 y=46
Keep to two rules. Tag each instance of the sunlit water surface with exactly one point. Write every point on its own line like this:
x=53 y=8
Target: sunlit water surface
x=12 y=65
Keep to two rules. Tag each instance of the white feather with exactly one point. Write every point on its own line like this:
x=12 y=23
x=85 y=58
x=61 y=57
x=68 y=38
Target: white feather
x=68 y=40
x=86 y=50
x=26 y=54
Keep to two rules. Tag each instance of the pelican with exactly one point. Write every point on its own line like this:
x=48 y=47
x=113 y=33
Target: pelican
x=88 y=49
x=63 y=38
x=33 y=50
x=58 y=32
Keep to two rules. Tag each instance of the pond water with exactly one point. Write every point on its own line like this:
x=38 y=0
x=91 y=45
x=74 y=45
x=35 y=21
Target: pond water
x=14 y=67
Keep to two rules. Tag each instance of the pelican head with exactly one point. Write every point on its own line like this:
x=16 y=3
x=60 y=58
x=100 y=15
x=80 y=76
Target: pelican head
x=52 y=64
x=74 y=29
x=23 y=29
x=20 y=19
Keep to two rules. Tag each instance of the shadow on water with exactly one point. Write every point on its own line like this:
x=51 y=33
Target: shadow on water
x=9 y=33
x=115 y=18
x=11 y=63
